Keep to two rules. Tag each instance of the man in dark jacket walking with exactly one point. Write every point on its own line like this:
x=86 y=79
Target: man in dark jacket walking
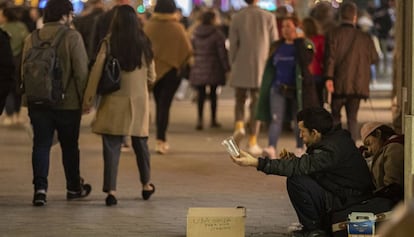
x=6 y=68
x=87 y=26
x=332 y=174
x=349 y=55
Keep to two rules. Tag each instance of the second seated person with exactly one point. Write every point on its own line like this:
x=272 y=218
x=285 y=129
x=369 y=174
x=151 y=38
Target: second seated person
x=172 y=50
x=124 y=112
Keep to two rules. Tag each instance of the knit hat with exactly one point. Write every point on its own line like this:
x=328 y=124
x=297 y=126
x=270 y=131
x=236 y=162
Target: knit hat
x=368 y=128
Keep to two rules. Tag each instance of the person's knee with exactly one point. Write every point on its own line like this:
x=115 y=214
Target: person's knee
x=302 y=182
x=294 y=182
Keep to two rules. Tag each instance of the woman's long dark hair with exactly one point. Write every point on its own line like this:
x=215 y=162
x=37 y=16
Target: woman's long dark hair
x=128 y=41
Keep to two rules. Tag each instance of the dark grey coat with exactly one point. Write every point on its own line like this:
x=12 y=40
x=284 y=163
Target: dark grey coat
x=210 y=57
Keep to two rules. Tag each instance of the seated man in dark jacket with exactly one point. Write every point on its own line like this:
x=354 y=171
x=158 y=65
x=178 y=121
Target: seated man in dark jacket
x=332 y=174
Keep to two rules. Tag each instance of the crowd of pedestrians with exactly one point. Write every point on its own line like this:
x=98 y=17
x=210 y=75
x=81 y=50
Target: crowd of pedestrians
x=284 y=67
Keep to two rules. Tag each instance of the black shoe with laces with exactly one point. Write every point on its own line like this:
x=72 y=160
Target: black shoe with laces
x=84 y=192
x=39 y=199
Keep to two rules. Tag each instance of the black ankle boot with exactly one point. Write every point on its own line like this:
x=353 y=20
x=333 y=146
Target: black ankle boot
x=199 y=126
x=214 y=124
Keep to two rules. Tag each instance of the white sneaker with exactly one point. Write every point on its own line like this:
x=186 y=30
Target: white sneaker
x=8 y=120
x=238 y=135
x=125 y=147
x=295 y=227
x=162 y=147
x=270 y=152
x=255 y=150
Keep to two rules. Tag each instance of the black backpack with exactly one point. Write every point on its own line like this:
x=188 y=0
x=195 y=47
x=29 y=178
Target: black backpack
x=42 y=74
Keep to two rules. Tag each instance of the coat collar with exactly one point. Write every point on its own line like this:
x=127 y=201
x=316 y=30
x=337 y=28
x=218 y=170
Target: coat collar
x=165 y=16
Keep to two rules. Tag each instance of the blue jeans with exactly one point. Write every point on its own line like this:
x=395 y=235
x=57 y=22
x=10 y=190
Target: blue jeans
x=278 y=105
x=66 y=123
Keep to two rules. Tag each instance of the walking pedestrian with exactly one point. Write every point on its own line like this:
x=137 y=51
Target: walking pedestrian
x=310 y=28
x=124 y=112
x=172 y=50
x=252 y=31
x=349 y=55
x=64 y=117
x=287 y=83
x=17 y=31
x=210 y=65
x=6 y=68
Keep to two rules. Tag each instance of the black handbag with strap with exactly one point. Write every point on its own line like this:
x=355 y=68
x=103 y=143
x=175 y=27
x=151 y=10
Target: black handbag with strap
x=111 y=74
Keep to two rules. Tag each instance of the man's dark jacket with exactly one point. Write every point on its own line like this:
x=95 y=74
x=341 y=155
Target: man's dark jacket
x=6 y=68
x=349 y=54
x=334 y=163
x=87 y=27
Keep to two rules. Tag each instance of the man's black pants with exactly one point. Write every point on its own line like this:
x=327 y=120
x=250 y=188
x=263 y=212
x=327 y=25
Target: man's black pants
x=312 y=203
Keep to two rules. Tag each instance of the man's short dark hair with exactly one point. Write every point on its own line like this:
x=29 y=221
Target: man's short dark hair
x=249 y=1
x=9 y=13
x=165 y=6
x=56 y=9
x=316 y=118
x=348 y=11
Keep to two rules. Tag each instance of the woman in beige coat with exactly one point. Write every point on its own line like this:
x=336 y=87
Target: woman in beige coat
x=124 y=112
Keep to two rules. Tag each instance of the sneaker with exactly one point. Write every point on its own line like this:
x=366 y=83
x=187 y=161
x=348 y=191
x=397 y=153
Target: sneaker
x=270 y=152
x=125 y=147
x=8 y=121
x=39 y=199
x=238 y=135
x=84 y=192
x=255 y=150
x=161 y=147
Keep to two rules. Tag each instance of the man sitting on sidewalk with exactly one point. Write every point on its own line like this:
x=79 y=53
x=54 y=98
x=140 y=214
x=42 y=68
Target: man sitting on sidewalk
x=332 y=174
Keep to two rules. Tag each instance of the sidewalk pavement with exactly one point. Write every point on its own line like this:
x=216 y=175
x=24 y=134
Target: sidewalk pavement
x=196 y=173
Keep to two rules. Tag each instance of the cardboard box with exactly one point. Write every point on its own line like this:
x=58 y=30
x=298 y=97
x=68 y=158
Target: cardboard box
x=217 y=222
x=361 y=224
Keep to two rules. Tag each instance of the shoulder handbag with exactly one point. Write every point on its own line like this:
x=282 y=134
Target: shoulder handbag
x=110 y=80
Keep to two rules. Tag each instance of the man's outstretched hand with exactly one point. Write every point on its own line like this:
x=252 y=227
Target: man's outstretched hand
x=245 y=159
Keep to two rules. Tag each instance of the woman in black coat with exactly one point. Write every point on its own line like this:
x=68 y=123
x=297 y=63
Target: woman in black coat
x=6 y=68
x=210 y=64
